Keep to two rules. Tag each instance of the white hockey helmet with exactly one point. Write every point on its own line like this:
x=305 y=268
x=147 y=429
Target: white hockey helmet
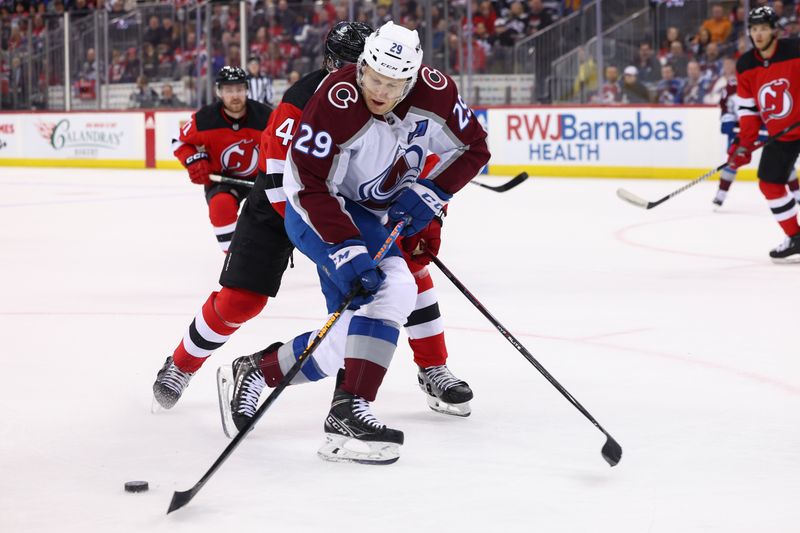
x=395 y=52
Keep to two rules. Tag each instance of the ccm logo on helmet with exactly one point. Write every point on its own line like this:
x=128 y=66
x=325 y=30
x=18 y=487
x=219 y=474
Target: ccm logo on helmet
x=342 y=94
x=774 y=100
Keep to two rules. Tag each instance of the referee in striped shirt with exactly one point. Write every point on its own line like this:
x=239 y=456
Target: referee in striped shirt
x=259 y=86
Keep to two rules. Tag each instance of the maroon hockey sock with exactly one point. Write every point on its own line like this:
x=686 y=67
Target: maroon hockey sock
x=271 y=368
x=362 y=378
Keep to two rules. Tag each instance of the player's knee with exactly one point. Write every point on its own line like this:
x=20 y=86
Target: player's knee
x=771 y=190
x=237 y=306
x=396 y=298
x=223 y=209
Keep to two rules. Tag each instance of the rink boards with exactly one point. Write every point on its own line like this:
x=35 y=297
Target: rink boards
x=587 y=141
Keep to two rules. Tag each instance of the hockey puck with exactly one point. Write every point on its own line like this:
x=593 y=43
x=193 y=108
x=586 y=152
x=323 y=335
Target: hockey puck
x=136 y=486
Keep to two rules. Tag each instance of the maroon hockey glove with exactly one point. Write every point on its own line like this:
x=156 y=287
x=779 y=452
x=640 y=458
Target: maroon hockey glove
x=421 y=246
x=198 y=167
x=738 y=155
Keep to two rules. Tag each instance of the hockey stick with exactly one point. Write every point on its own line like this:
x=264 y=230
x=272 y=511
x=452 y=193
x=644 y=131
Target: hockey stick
x=612 y=451
x=513 y=182
x=638 y=201
x=216 y=178
x=179 y=499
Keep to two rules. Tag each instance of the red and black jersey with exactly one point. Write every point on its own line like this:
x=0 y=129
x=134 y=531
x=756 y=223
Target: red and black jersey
x=277 y=137
x=231 y=144
x=768 y=91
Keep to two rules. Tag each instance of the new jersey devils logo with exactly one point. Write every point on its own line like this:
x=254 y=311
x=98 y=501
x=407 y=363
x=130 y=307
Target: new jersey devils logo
x=379 y=191
x=240 y=159
x=774 y=100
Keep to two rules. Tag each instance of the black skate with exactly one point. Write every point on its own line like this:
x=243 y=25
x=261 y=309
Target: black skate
x=445 y=393
x=239 y=387
x=788 y=251
x=353 y=434
x=170 y=383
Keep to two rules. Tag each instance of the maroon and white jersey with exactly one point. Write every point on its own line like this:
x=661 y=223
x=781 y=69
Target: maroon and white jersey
x=727 y=100
x=769 y=91
x=341 y=150
x=231 y=144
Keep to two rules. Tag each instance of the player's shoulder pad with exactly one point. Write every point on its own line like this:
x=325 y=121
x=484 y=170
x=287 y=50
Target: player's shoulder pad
x=302 y=90
x=434 y=91
x=209 y=117
x=338 y=107
x=788 y=49
x=257 y=115
x=747 y=61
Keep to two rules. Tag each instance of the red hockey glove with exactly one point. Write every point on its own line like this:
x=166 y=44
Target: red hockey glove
x=421 y=246
x=198 y=167
x=738 y=155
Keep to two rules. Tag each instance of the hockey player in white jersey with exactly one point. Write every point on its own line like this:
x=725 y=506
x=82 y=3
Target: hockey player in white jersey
x=355 y=163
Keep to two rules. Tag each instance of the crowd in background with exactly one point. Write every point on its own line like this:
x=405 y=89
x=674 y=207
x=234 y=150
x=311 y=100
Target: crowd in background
x=691 y=66
x=285 y=40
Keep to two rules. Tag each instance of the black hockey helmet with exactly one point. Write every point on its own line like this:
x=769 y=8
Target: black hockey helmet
x=344 y=44
x=762 y=15
x=231 y=76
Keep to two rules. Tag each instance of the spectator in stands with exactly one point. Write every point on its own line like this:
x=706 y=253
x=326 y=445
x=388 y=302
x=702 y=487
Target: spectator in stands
x=16 y=84
x=88 y=70
x=710 y=62
x=517 y=22
x=149 y=61
x=79 y=9
x=697 y=46
x=714 y=94
x=486 y=15
x=610 y=92
x=672 y=35
x=677 y=58
x=167 y=68
x=647 y=66
x=154 y=33
x=539 y=16
x=586 y=81
x=143 y=96
x=737 y=18
x=719 y=26
x=284 y=17
x=117 y=68
x=482 y=38
x=170 y=36
x=133 y=66
x=168 y=98
x=694 y=88
x=633 y=90
x=293 y=77
x=669 y=88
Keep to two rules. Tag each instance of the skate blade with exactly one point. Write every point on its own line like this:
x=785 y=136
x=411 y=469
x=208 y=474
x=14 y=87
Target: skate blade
x=225 y=395
x=156 y=407
x=791 y=260
x=343 y=449
x=454 y=409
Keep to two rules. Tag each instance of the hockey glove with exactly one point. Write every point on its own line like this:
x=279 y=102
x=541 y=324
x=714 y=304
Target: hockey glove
x=354 y=267
x=422 y=201
x=420 y=247
x=738 y=155
x=198 y=167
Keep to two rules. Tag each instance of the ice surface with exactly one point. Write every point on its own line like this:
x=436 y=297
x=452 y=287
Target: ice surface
x=670 y=326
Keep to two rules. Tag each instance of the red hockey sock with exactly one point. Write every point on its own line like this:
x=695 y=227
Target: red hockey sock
x=783 y=206
x=223 y=210
x=424 y=327
x=219 y=318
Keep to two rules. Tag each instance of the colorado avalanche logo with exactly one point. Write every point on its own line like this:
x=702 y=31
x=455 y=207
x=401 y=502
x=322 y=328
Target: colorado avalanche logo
x=240 y=159
x=774 y=100
x=379 y=191
x=342 y=94
x=433 y=78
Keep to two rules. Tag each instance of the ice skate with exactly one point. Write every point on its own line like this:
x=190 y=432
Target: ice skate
x=170 y=383
x=445 y=393
x=719 y=199
x=788 y=251
x=353 y=434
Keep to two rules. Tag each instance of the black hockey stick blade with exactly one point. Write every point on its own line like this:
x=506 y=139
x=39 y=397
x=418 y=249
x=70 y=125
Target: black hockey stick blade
x=612 y=451
x=513 y=182
x=633 y=199
x=179 y=499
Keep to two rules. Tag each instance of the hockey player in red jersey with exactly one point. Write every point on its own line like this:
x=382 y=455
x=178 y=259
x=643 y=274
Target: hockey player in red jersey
x=768 y=93
x=729 y=126
x=358 y=158
x=223 y=138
